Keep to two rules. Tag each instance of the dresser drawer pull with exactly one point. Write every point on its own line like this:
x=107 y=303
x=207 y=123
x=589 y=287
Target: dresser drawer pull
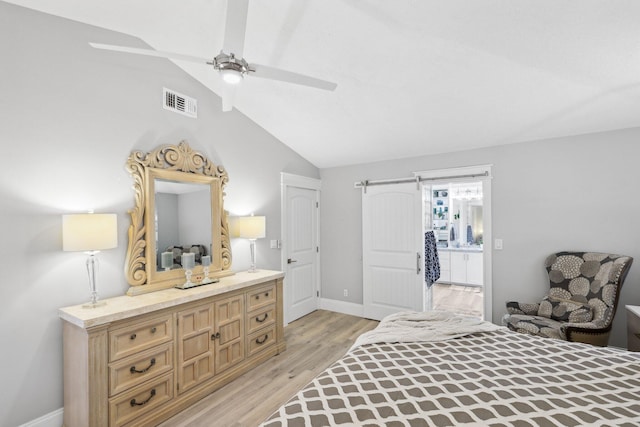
x=133 y=336
x=259 y=320
x=262 y=341
x=133 y=369
x=134 y=403
x=214 y=336
x=266 y=294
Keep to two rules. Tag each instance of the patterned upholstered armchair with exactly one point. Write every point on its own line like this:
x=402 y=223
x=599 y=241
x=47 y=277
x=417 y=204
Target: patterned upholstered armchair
x=582 y=299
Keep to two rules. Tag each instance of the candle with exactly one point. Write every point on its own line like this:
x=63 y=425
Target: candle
x=188 y=260
x=166 y=259
x=206 y=261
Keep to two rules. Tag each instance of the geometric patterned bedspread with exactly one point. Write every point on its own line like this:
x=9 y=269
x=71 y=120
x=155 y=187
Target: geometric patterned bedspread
x=499 y=378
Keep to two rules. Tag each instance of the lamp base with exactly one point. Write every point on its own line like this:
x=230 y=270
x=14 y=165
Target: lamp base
x=92 y=271
x=252 y=246
x=94 y=304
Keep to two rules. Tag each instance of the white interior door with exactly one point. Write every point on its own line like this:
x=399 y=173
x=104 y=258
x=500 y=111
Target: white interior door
x=393 y=249
x=301 y=249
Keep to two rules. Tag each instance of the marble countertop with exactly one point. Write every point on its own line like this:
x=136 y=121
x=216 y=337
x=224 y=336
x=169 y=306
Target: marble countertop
x=462 y=249
x=124 y=307
x=634 y=309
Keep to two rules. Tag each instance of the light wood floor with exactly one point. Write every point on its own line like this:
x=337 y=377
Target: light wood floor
x=313 y=343
x=467 y=300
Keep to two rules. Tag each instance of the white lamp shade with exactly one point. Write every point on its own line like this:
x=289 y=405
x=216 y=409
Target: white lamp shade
x=89 y=232
x=251 y=227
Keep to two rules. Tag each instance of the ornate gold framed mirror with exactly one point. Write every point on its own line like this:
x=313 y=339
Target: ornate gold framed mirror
x=179 y=208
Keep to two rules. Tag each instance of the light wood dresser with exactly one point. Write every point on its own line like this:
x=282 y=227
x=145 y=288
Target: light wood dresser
x=139 y=360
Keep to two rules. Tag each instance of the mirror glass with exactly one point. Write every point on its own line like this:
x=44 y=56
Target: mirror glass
x=476 y=221
x=182 y=222
x=179 y=208
x=466 y=208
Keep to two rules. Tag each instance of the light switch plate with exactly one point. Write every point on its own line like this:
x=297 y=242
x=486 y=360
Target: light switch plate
x=498 y=244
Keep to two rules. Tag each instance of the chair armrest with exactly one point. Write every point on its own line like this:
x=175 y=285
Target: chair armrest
x=514 y=307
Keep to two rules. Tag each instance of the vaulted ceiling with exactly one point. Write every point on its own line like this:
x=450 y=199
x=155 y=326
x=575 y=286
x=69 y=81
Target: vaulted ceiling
x=414 y=76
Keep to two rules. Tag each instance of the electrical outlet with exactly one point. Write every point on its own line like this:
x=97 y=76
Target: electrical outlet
x=346 y=292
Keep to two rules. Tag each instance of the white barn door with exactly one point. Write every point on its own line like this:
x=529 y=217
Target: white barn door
x=393 y=249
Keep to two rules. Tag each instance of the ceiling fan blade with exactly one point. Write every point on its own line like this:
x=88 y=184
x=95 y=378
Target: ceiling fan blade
x=228 y=96
x=235 y=27
x=149 y=52
x=267 y=72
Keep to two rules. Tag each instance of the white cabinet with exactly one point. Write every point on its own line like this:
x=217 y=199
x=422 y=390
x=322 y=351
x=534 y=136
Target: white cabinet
x=467 y=267
x=458 y=267
x=475 y=268
x=445 y=266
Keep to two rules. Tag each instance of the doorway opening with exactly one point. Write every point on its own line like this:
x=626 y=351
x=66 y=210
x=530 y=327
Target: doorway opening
x=457 y=209
x=399 y=216
x=454 y=213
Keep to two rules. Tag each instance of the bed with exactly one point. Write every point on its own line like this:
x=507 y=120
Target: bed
x=483 y=375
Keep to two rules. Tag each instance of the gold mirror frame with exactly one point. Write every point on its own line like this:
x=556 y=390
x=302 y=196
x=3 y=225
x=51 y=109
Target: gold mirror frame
x=181 y=164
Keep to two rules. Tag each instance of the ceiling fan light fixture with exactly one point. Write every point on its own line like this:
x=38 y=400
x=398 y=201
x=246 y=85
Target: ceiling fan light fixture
x=231 y=69
x=231 y=76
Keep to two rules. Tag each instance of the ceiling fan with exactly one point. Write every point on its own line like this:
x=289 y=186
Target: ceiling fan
x=230 y=63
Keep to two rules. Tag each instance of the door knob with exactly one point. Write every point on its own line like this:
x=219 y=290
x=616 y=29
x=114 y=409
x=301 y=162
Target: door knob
x=290 y=261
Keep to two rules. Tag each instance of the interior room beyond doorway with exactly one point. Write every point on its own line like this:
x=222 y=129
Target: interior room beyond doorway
x=454 y=212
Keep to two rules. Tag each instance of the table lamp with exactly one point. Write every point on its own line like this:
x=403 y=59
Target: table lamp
x=90 y=233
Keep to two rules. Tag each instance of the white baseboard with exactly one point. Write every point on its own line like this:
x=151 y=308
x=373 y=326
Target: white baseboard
x=342 y=307
x=52 y=419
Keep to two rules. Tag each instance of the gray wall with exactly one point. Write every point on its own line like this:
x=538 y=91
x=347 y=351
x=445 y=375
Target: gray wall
x=577 y=193
x=195 y=208
x=70 y=115
x=168 y=222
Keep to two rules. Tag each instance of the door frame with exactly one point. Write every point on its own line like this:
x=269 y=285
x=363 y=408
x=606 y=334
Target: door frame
x=451 y=175
x=288 y=180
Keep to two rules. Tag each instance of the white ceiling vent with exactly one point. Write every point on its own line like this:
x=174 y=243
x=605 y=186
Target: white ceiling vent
x=179 y=103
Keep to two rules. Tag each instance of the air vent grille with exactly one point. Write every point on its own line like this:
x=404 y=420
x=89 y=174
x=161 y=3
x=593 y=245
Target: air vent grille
x=179 y=103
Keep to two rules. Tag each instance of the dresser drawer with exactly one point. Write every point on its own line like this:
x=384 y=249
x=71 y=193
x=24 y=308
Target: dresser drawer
x=261 y=340
x=260 y=318
x=127 y=373
x=261 y=297
x=137 y=337
x=140 y=401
